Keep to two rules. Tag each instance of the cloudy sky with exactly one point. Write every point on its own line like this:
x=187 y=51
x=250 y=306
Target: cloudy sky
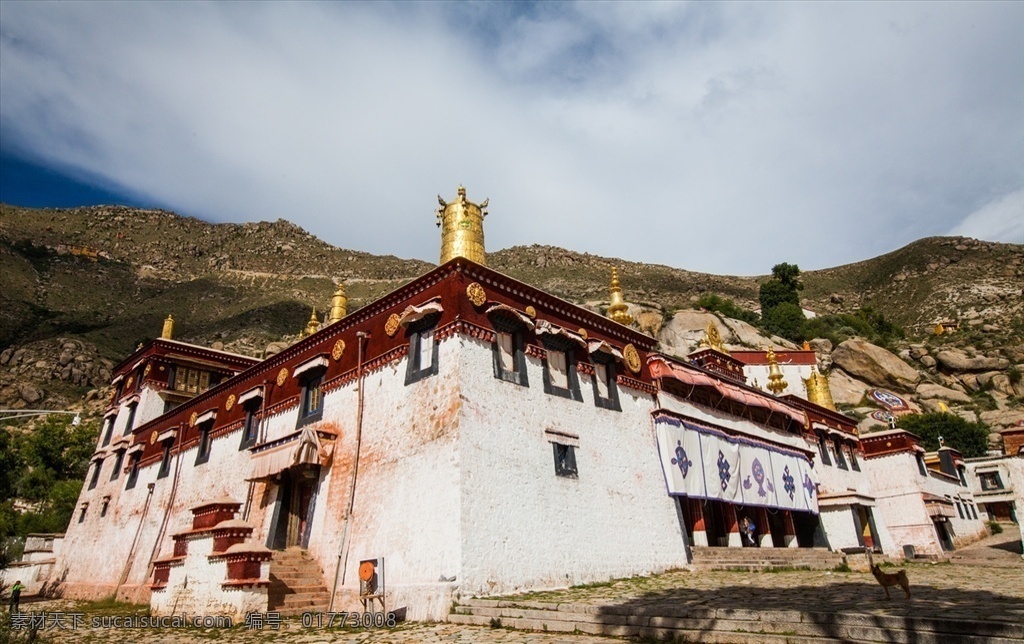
x=715 y=137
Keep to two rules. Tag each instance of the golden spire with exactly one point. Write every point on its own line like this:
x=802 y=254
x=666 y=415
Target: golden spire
x=818 y=391
x=168 y=332
x=776 y=381
x=339 y=305
x=617 y=310
x=462 y=228
x=712 y=338
x=312 y=326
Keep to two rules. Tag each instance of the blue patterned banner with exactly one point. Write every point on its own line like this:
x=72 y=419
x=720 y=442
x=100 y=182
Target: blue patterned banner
x=704 y=463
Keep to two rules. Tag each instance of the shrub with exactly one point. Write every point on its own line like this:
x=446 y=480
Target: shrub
x=994 y=527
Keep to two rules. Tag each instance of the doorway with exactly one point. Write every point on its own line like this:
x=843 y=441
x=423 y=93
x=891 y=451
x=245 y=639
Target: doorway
x=296 y=503
x=945 y=539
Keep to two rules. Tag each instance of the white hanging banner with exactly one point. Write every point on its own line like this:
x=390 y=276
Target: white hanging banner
x=705 y=463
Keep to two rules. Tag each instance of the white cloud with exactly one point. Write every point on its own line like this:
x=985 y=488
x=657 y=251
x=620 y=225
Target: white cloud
x=999 y=220
x=817 y=134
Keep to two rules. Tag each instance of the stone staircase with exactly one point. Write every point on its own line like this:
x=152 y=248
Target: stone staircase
x=296 y=584
x=709 y=558
x=665 y=622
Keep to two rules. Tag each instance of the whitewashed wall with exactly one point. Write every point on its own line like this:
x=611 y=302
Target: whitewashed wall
x=524 y=527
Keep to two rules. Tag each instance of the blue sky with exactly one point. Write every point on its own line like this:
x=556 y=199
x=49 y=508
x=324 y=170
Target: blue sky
x=714 y=137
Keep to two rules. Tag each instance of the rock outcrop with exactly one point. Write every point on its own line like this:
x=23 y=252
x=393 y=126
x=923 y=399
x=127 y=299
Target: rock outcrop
x=954 y=359
x=875 y=365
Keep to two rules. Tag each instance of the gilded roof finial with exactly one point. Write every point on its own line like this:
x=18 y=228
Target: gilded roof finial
x=462 y=228
x=312 y=326
x=339 y=305
x=168 y=332
x=713 y=339
x=618 y=310
x=776 y=381
x=818 y=391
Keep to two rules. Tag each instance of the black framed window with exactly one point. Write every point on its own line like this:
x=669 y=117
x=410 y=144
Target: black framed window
x=854 y=463
x=509 y=351
x=823 y=450
x=81 y=513
x=130 y=424
x=963 y=477
x=118 y=464
x=251 y=424
x=108 y=430
x=840 y=458
x=960 y=508
x=312 y=408
x=422 y=351
x=103 y=508
x=565 y=460
x=560 y=378
x=606 y=389
x=205 y=443
x=95 y=478
x=165 y=461
x=921 y=467
x=990 y=481
x=133 y=471
x=974 y=510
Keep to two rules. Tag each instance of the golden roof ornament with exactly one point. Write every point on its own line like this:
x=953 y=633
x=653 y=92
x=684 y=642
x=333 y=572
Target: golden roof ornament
x=712 y=338
x=818 y=391
x=776 y=381
x=618 y=310
x=462 y=228
x=339 y=305
x=168 y=332
x=312 y=326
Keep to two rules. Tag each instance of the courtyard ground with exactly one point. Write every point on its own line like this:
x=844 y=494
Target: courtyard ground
x=984 y=582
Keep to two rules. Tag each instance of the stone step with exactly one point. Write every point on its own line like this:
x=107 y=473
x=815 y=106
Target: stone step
x=726 y=624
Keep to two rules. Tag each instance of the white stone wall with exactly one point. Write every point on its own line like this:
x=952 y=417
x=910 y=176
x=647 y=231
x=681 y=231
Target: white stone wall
x=794 y=375
x=194 y=588
x=967 y=529
x=524 y=527
x=898 y=486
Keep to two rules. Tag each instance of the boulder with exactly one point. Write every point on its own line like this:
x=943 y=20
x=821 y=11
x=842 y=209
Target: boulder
x=1004 y=418
x=821 y=345
x=928 y=361
x=1001 y=383
x=683 y=332
x=918 y=351
x=650 y=322
x=749 y=336
x=874 y=365
x=928 y=390
x=29 y=392
x=957 y=360
x=846 y=390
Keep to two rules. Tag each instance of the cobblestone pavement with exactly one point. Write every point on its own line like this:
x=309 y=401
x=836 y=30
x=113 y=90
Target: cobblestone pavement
x=952 y=591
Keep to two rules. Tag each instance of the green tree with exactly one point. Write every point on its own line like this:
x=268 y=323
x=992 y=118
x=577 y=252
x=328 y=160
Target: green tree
x=788 y=275
x=773 y=293
x=971 y=439
x=786 y=320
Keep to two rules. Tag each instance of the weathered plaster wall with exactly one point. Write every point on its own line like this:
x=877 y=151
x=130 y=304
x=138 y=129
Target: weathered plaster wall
x=523 y=526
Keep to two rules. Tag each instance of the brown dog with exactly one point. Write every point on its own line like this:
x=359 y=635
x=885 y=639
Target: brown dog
x=887 y=579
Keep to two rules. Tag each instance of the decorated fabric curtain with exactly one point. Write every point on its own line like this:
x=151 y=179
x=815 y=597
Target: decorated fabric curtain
x=704 y=463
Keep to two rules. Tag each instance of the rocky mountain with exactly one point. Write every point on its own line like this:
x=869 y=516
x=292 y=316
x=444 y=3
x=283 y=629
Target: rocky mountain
x=82 y=287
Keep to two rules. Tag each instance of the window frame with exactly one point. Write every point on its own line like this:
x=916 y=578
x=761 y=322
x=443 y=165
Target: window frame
x=108 y=430
x=840 y=457
x=94 y=479
x=568 y=348
x=118 y=464
x=565 y=467
x=129 y=424
x=854 y=463
x=250 y=422
x=922 y=467
x=608 y=363
x=518 y=374
x=205 y=446
x=998 y=481
x=165 y=460
x=826 y=459
x=312 y=380
x=134 y=461
x=415 y=371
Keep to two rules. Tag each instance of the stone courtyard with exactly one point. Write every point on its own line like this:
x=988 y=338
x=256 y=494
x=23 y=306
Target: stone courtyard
x=982 y=584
